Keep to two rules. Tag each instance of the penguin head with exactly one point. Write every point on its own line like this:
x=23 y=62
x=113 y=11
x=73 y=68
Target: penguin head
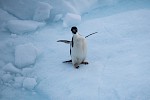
x=74 y=30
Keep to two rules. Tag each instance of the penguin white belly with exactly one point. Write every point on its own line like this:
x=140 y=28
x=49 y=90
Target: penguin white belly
x=78 y=50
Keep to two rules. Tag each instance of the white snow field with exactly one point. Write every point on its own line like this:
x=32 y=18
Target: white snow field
x=31 y=59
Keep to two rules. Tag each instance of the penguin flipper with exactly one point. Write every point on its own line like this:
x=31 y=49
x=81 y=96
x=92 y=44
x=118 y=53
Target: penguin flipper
x=65 y=41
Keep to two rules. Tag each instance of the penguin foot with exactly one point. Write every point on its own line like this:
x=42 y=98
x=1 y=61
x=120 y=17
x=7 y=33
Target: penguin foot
x=76 y=66
x=68 y=61
x=85 y=63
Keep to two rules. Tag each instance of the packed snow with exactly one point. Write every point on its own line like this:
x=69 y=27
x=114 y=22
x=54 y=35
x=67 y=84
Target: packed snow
x=31 y=65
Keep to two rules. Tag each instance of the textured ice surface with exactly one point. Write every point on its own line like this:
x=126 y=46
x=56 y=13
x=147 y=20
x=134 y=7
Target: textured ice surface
x=23 y=26
x=42 y=11
x=71 y=20
x=25 y=55
x=11 y=68
x=29 y=83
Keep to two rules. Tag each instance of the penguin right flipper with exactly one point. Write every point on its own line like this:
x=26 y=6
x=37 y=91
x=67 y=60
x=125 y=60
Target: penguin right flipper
x=65 y=41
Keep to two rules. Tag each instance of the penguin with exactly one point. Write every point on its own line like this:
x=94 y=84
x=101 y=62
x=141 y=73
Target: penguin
x=78 y=48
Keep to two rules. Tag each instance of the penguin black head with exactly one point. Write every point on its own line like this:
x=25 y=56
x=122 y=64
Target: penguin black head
x=74 y=30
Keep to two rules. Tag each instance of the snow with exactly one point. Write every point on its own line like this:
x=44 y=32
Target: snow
x=18 y=82
x=29 y=83
x=11 y=68
x=31 y=65
x=71 y=20
x=25 y=55
x=42 y=11
x=23 y=26
x=22 y=9
x=58 y=17
x=7 y=77
x=25 y=9
x=14 y=36
x=5 y=17
x=2 y=63
x=26 y=71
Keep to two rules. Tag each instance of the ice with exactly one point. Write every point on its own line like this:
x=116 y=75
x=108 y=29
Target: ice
x=22 y=9
x=11 y=68
x=29 y=83
x=13 y=36
x=23 y=26
x=1 y=73
x=42 y=11
x=27 y=71
x=5 y=17
x=25 y=9
x=18 y=82
x=7 y=77
x=107 y=2
x=71 y=20
x=58 y=17
x=25 y=55
x=80 y=7
x=2 y=63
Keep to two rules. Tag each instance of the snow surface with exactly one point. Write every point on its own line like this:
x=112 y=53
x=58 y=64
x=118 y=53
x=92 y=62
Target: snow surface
x=118 y=55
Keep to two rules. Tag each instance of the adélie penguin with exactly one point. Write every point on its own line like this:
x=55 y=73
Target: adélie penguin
x=78 y=48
